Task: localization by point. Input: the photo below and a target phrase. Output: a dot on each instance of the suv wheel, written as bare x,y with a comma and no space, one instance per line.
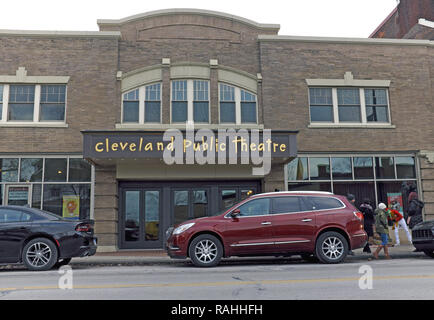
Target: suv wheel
205,251
429,253
39,254
331,247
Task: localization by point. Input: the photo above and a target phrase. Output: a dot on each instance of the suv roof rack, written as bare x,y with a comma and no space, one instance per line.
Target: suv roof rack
312,192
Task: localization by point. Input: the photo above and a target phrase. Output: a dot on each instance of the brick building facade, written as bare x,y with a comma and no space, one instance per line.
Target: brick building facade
361,111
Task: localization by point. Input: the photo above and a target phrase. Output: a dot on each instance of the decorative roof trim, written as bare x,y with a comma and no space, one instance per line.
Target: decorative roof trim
60,34
367,41
165,12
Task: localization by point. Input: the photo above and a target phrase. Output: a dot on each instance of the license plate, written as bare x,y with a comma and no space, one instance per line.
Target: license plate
94,241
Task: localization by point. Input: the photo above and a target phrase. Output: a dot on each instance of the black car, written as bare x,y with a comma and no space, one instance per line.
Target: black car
42,240
423,237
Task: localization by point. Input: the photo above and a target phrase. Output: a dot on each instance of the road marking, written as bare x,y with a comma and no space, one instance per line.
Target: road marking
212,284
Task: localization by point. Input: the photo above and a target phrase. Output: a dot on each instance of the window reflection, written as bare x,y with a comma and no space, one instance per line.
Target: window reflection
319,168
341,168
31,170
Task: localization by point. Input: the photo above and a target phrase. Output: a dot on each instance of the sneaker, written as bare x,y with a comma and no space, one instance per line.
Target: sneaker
396,245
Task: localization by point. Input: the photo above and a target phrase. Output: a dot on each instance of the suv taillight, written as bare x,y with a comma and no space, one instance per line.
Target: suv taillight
83,227
358,215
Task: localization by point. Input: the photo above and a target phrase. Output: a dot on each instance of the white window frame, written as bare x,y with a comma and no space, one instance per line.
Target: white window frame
364,121
4,121
190,100
142,96
237,96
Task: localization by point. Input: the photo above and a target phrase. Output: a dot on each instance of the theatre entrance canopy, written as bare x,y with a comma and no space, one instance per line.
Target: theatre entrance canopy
225,153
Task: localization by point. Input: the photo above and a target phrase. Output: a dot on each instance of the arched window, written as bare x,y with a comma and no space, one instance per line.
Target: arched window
237,105
142,105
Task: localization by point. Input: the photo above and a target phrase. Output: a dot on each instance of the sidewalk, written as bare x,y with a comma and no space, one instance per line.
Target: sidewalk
159,257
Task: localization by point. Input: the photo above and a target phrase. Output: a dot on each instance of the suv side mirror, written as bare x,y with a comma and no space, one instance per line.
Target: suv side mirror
235,213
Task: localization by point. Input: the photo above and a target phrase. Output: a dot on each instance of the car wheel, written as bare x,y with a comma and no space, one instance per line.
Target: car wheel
429,253
205,251
61,262
309,257
331,247
39,254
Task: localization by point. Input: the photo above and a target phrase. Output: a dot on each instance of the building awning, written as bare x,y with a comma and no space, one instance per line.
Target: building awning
200,146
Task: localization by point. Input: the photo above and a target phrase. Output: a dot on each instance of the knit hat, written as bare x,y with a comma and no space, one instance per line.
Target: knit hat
382,206
350,197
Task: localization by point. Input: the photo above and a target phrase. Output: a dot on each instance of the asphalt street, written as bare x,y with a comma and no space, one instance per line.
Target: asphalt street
283,278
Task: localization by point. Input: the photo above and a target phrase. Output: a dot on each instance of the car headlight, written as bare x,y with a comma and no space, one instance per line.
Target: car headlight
183,228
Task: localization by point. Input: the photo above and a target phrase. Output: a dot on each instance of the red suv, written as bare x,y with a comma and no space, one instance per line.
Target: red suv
310,224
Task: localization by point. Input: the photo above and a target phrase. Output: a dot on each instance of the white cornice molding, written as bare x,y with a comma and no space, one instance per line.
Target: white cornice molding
429,155
22,77
366,41
426,23
61,34
167,12
347,81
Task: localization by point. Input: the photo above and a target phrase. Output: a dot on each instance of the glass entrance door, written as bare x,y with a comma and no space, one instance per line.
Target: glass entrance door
189,203
18,195
234,194
140,218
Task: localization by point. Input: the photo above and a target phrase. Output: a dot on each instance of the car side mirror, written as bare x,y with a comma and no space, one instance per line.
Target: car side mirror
235,213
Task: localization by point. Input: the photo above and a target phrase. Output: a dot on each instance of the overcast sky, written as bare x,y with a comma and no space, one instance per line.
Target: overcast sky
339,18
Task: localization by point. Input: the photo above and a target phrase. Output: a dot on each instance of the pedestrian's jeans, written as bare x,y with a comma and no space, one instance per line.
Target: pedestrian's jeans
402,224
384,239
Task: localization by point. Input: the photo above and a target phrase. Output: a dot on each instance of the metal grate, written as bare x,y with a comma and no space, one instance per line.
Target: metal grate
417,234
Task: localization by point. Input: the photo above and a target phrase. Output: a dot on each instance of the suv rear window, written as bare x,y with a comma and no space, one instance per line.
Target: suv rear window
322,203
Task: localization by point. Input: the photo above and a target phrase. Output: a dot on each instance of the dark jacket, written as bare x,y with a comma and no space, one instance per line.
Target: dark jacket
415,212
369,219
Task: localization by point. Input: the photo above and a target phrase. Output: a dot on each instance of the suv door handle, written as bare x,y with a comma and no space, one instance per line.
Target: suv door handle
266,223
306,220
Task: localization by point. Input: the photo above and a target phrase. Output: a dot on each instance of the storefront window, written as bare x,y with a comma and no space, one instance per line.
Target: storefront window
360,190
36,196
9,170
384,168
31,170
297,169
79,170
57,196
363,168
55,170
341,168
405,168
314,186
393,179
319,168
42,192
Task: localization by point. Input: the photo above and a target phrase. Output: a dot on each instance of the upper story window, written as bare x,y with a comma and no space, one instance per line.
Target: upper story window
237,106
190,101
349,105
142,105
53,99
32,103
21,102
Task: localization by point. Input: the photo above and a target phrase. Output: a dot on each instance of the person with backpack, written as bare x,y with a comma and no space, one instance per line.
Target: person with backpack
414,210
368,221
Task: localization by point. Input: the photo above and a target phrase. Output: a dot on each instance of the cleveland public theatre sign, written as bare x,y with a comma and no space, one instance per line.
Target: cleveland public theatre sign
203,146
